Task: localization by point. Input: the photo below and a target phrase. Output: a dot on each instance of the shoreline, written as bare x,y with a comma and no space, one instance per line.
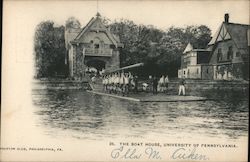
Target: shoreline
212,90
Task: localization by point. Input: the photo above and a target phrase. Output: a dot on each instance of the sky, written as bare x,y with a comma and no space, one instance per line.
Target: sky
21,17
159,13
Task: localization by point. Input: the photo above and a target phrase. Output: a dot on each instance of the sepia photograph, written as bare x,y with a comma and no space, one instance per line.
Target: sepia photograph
126,80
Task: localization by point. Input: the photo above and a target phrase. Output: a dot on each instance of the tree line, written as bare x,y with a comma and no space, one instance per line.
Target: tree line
160,50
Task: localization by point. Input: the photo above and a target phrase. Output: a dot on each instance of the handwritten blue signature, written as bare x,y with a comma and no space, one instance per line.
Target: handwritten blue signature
152,153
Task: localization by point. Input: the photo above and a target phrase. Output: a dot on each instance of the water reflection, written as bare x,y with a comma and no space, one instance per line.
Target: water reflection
87,115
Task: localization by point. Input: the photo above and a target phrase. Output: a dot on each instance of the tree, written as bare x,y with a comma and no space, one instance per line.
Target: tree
72,22
203,36
159,50
174,42
49,50
128,34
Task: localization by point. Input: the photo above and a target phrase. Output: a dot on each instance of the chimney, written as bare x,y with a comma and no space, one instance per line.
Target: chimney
226,18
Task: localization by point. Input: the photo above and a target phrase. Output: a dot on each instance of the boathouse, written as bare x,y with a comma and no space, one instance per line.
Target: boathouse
92,46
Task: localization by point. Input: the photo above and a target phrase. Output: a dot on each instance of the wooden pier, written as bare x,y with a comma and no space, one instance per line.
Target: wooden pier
145,97
115,96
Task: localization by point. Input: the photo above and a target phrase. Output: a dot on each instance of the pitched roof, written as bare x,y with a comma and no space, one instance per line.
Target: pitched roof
115,40
188,48
236,32
239,34
214,38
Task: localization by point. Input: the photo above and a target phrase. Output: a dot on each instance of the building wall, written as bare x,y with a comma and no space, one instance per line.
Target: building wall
182,73
197,72
227,69
192,58
189,58
77,61
224,74
207,72
71,54
194,72
95,44
191,72
224,46
115,60
91,36
184,61
203,57
190,69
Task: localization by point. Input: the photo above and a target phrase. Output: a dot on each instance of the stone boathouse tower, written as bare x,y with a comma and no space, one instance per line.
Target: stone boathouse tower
92,46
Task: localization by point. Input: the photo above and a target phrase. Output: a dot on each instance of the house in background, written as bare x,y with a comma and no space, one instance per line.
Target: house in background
226,56
194,64
230,51
92,46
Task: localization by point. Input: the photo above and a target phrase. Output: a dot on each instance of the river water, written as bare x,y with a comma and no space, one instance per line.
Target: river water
84,115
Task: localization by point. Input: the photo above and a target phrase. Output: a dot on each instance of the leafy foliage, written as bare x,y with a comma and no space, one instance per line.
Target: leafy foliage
159,50
49,50
72,22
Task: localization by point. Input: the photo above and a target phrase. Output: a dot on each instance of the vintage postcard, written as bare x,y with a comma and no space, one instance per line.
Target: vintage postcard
136,80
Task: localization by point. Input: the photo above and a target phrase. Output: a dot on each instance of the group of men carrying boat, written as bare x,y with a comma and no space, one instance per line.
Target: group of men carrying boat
123,82
120,83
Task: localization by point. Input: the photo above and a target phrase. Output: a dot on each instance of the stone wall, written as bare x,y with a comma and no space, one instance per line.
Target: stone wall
60,85
193,71
79,62
210,88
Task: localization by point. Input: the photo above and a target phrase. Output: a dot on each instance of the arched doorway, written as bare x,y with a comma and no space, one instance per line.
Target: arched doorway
96,63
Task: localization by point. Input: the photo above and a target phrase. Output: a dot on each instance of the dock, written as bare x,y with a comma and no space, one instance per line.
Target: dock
171,98
146,97
115,96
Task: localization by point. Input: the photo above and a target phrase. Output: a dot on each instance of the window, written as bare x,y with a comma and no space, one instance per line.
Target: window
219,55
197,71
184,72
207,71
238,54
230,53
